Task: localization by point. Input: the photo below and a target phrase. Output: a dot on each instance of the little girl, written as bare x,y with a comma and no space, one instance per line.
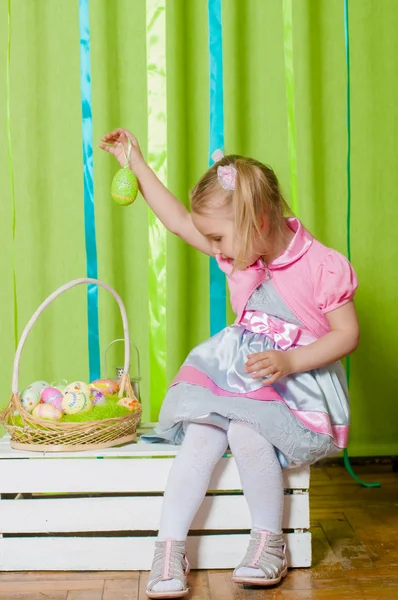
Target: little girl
271,386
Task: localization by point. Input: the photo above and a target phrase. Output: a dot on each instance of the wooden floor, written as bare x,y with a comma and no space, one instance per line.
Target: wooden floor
355,553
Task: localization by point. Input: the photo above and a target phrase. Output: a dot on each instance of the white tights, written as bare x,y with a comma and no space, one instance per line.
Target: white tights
202,448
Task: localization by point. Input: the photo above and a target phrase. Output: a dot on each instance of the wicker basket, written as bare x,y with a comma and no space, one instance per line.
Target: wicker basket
52,436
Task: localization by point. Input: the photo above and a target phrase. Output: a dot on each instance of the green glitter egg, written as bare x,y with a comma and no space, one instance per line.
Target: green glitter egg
124,187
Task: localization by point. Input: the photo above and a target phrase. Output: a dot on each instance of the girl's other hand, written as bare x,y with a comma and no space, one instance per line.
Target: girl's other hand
116,143
272,364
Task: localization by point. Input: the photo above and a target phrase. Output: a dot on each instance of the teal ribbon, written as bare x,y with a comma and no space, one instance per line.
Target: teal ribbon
89,212
348,166
218,303
11,175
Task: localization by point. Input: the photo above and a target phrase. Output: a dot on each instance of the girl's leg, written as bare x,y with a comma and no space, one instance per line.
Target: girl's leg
202,448
262,484
260,474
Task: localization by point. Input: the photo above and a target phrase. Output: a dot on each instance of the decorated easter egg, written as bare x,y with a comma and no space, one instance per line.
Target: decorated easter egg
88,406
38,386
75,402
29,399
78,386
98,398
47,411
49,394
131,403
57,402
124,187
52,396
106,386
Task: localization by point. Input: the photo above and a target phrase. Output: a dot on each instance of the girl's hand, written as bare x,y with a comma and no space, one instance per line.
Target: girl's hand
172,213
116,143
273,364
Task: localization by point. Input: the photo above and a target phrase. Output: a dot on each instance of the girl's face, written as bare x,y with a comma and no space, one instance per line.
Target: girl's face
217,225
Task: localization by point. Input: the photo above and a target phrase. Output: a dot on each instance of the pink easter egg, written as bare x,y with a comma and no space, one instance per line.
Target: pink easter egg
57,403
50,394
106,386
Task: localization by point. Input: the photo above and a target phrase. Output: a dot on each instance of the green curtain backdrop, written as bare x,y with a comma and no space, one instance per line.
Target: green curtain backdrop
46,136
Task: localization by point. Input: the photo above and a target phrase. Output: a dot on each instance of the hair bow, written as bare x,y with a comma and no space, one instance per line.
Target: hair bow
226,174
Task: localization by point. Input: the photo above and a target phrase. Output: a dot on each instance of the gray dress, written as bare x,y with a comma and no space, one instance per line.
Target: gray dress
300,414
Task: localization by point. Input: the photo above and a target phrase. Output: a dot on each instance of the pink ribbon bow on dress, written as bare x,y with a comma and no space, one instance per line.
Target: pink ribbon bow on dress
284,334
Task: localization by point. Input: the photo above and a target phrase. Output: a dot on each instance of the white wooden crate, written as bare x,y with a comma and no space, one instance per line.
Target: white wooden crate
100,510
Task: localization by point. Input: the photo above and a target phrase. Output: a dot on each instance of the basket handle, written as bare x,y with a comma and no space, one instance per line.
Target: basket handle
106,353
49,300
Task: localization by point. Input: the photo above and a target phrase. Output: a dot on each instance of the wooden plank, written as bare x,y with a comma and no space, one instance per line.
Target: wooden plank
142,586
222,587
137,449
315,594
298,579
325,565
120,589
319,513
379,594
375,525
383,577
198,585
347,547
60,584
49,595
85,595
140,513
132,553
72,576
118,475
6,451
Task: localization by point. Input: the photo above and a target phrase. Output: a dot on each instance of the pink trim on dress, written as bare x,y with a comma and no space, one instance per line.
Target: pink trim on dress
315,420
192,375
340,435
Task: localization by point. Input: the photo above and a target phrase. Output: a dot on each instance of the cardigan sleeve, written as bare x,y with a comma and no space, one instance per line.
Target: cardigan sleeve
336,282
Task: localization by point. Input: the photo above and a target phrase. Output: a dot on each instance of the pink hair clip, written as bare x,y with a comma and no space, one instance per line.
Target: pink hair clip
227,177
217,155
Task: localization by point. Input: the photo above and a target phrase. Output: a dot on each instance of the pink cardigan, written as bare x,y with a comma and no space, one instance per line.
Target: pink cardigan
311,279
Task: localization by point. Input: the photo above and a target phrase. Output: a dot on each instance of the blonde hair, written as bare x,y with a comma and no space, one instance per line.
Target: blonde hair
256,197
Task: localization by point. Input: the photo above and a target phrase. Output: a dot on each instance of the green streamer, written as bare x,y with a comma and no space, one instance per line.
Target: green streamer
290,100
348,118
157,160
11,174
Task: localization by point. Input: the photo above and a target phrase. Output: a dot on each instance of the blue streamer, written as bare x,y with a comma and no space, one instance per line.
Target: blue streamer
218,305
89,214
